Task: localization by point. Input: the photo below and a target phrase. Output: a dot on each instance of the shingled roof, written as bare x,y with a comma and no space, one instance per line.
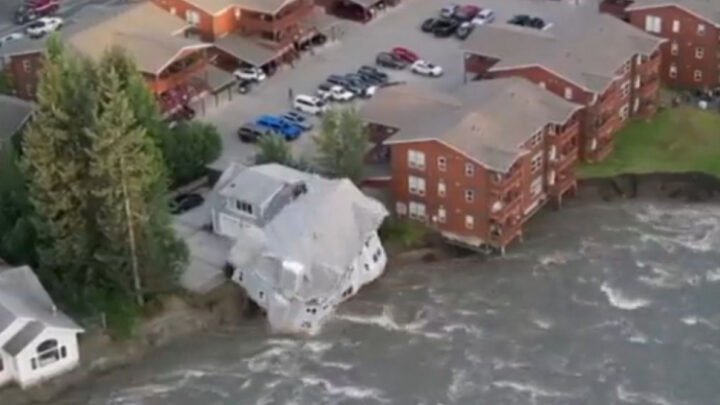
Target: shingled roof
707,9
587,51
486,120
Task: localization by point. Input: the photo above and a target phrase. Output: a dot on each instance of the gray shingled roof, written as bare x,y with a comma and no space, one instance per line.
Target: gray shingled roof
22,296
14,112
23,337
487,120
588,51
324,229
708,9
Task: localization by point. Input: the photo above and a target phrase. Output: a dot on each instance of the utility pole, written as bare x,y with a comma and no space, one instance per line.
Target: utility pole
131,238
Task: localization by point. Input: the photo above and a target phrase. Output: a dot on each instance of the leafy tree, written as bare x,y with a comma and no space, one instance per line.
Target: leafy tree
188,148
17,235
341,143
273,149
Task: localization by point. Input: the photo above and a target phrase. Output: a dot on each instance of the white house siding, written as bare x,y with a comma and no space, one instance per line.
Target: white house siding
8,364
23,361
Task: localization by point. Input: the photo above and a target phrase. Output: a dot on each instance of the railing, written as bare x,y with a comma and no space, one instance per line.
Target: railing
500,211
500,187
566,159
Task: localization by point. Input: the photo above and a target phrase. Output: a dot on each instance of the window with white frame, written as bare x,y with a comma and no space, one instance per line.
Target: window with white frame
417,210
441,214
469,222
624,112
701,30
536,139
674,48
416,159
401,208
26,65
543,85
243,206
653,24
192,17
672,71
442,163
469,195
676,26
469,169
625,89
638,82
441,190
416,185
699,52
536,186
536,162
697,75
636,105
568,93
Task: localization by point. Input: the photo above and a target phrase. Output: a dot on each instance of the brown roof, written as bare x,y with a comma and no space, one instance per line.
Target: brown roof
707,9
488,120
586,50
144,30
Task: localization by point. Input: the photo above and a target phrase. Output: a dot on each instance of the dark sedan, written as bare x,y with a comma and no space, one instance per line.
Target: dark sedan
389,60
185,202
445,27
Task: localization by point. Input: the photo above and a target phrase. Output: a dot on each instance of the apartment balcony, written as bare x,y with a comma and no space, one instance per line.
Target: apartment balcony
501,209
565,159
502,234
649,85
500,184
564,181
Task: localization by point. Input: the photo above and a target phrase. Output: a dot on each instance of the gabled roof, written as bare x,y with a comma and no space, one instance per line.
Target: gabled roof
486,120
218,6
323,229
14,112
706,9
23,297
23,337
586,50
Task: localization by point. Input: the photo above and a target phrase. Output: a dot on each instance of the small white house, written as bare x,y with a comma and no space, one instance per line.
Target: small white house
302,243
37,342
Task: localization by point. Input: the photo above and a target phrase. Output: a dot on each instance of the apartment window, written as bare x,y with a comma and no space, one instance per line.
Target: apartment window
416,159
442,163
441,215
625,89
624,112
676,26
536,162
674,49
192,17
417,210
697,75
238,13
536,139
551,178
543,85
638,82
469,195
701,30
699,52
653,24
673,71
469,169
469,222
416,185
242,206
401,208
568,93
536,186
26,65
441,188
636,105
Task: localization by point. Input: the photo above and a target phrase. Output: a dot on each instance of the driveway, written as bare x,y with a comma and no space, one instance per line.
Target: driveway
400,26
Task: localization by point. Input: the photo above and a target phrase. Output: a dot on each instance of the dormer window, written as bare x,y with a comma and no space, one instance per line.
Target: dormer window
242,206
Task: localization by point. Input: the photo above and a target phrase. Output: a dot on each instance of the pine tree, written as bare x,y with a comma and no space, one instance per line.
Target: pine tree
341,143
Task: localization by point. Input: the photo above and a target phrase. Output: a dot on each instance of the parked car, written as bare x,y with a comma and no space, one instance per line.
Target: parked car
464,30
337,80
10,37
373,73
288,130
43,26
31,10
425,68
298,119
466,13
524,20
250,73
368,87
244,86
185,202
251,132
445,28
428,25
485,16
405,54
448,10
309,104
520,19
337,93
389,60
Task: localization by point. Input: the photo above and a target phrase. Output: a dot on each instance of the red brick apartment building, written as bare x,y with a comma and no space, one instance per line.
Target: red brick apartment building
691,55
256,32
167,60
609,67
478,163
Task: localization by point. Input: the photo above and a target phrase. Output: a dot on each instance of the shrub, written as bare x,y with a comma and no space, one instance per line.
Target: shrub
188,148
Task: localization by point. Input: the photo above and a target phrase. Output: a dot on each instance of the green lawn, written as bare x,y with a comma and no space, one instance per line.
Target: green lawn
676,140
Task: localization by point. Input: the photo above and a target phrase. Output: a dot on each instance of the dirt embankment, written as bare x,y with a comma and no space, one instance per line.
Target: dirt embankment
221,309
687,187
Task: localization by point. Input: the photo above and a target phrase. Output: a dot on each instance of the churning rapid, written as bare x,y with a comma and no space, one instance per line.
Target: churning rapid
602,304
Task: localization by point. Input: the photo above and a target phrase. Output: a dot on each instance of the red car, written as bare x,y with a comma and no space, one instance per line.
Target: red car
467,13
405,54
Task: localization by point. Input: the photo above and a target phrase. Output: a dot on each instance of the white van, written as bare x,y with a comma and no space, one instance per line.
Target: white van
309,105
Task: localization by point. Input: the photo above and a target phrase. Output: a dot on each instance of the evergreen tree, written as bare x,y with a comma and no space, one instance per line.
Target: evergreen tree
341,143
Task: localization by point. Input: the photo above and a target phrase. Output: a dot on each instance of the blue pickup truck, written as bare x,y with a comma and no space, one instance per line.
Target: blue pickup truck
283,127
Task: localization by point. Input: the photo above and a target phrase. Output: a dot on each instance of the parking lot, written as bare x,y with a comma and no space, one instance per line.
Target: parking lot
400,26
